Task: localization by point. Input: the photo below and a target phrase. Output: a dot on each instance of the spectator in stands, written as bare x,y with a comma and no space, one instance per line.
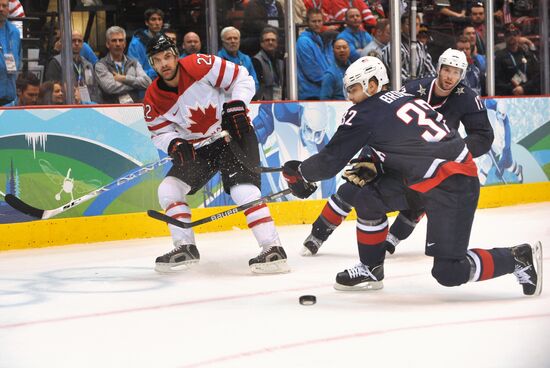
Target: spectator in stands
231,41
516,70
453,14
10,58
51,93
27,86
424,67
382,35
269,67
191,44
121,79
86,52
479,59
356,37
154,20
172,35
327,18
337,10
477,14
473,77
332,87
82,71
312,59
259,14
17,11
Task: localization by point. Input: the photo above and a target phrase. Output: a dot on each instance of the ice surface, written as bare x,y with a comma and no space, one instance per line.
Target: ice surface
102,305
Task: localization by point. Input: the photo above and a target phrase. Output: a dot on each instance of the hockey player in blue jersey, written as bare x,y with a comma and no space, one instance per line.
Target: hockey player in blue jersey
412,151
457,103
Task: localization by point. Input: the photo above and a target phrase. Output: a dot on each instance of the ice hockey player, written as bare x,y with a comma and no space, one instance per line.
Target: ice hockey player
457,103
185,105
412,148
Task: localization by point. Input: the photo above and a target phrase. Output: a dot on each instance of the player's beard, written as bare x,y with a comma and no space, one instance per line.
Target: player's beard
172,76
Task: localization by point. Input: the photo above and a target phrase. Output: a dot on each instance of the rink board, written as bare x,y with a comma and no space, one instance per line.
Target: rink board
46,233
49,156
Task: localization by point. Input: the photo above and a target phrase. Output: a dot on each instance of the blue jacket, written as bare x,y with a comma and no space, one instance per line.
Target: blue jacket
138,51
88,53
356,40
10,42
332,87
313,60
243,60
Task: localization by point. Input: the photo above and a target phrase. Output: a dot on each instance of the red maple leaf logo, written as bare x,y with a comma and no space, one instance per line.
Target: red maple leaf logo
201,120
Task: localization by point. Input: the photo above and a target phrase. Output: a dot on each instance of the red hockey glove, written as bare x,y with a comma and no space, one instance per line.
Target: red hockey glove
181,151
296,182
235,119
362,172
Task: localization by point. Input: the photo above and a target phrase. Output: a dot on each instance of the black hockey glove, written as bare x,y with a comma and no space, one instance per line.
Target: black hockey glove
296,182
362,172
235,119
181,151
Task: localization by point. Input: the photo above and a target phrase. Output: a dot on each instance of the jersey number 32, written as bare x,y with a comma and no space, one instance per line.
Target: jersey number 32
419,109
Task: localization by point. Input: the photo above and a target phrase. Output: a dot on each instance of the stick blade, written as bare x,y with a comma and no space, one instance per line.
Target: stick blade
23,207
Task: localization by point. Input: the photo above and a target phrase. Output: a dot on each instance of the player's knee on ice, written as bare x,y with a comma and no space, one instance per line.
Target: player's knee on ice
451,272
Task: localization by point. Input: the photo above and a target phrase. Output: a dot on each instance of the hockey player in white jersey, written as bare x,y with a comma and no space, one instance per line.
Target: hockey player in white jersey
187,104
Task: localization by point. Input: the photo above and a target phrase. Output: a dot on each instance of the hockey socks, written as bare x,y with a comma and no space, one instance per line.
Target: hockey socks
334,212
371,235
490,263
402,227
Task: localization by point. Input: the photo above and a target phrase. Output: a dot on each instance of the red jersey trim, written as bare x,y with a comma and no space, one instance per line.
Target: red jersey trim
221,75
159,126
235,73
450,168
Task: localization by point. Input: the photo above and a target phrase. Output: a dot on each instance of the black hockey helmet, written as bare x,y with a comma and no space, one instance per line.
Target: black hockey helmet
160,43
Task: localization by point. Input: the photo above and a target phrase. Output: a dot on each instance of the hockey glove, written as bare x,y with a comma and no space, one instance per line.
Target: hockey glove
235,119
362,172
296,182
181,151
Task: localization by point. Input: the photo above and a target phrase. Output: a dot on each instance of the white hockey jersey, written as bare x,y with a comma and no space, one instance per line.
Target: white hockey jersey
194,112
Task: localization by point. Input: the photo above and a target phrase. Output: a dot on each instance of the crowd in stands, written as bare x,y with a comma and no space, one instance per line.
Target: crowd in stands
331,35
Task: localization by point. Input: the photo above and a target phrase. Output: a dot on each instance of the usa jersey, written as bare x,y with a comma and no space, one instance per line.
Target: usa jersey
193,110
406,134
462,105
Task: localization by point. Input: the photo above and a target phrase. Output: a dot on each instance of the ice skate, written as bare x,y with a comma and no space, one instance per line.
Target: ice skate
270,260
528,267
360,278
180,258
311,246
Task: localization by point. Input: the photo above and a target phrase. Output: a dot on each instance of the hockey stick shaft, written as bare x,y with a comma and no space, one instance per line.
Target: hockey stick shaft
264,169
21,206
186,225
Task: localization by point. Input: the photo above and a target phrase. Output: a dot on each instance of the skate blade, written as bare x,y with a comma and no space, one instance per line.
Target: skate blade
279,266
365,286
306,252
537,261
175,267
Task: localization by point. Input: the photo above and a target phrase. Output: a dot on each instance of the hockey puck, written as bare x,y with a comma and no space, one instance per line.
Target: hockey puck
308,299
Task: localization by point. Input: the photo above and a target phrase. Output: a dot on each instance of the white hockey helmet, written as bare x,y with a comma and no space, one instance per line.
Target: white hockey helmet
454,58
362,70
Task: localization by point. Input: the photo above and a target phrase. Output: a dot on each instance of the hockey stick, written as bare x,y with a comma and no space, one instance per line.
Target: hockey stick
38,213
264,169
500,174
186,225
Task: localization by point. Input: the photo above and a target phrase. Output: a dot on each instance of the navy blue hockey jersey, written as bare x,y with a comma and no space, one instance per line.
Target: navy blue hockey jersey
462,105
407,135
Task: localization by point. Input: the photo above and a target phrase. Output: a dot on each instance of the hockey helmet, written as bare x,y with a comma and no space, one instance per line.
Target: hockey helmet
362,70
160,43
455,58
